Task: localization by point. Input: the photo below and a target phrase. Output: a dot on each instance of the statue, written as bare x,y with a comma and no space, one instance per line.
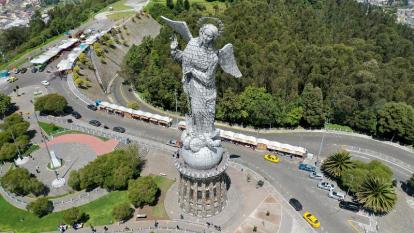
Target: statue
201,141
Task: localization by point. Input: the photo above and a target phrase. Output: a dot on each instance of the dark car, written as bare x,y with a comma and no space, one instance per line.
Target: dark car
24,70
352,206
118,129
70,121
34,70
296,204
92,107
76,115
41,69
95,123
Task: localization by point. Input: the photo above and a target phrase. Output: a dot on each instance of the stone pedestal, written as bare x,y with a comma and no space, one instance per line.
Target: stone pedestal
203,193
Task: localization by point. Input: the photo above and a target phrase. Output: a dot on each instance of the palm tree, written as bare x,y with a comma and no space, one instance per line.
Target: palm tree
337,163
377,195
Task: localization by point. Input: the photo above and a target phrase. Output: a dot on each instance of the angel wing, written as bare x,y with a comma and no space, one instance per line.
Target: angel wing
228,62
179,27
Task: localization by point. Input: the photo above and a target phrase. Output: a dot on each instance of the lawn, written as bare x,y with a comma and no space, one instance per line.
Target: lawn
120,15
339,127
50,129
117,6
17,220
163,183
32,148
99,211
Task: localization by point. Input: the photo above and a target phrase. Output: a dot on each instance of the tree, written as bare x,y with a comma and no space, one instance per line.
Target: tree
179,6
5,103
377,195
8,152
97,47
170,4
73,215
51,103
76,69
312,103
396,120
40,207
82,58
186,5
259,106
337,163
74,180
122,212
21,182
133,105
142,191
111,171
410,182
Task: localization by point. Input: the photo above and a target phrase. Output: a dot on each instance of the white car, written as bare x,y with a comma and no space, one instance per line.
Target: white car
45,83
336,195
325,185
316,175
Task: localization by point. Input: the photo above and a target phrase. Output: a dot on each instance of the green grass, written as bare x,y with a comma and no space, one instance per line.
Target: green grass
17,220
50,129
339,127
163,184
99,211
120,15
117,6
31,149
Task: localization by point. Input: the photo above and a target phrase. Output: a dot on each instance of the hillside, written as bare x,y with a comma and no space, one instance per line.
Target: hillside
303,62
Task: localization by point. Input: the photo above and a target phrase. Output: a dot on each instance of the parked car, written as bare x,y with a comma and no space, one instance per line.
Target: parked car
95,123
311,219
271,158
119,129
326,186
92,107
106,127
316,175
41,69
336,195
23,70
173,143
34,70
76,115
307,167
45,83
352,206
17,71
295,203
70,121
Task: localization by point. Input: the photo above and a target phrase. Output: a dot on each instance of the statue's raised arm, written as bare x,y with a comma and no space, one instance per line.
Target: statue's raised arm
228,62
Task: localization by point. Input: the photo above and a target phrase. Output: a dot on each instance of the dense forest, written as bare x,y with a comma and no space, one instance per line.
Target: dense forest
16,40
303,63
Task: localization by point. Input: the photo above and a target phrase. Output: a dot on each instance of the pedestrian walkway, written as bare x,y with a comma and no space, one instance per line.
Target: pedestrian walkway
98,145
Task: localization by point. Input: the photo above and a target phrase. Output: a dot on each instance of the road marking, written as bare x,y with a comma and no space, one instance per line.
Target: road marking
354,227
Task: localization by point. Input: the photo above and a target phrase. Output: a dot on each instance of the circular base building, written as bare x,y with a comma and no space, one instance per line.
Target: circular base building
203,193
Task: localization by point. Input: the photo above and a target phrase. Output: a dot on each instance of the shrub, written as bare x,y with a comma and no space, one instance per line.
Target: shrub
40,207
21,182
73,216
133,105
111,171
122,212
142,191
74,180
51,103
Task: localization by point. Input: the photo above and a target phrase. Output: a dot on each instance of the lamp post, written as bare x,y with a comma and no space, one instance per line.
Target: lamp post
321,145
176,106
58,182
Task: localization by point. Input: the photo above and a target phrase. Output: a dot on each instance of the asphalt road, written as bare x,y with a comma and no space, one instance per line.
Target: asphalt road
284,176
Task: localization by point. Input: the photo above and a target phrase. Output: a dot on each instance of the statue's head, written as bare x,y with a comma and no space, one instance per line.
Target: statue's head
208,33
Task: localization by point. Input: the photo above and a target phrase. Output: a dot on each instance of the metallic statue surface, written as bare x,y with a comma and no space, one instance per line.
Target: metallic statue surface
199,60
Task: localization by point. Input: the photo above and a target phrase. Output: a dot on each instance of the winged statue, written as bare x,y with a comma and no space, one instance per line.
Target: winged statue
199,62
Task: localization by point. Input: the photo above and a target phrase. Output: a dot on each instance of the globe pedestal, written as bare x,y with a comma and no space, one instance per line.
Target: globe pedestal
203,193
